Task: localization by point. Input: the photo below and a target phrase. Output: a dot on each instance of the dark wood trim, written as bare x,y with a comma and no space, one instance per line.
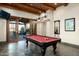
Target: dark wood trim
69,44
14,18
17,29
9,40
74,24
65,4
7,30
59,25
35,28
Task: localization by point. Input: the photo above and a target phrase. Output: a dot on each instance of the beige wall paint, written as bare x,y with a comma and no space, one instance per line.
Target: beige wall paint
62,13
2,29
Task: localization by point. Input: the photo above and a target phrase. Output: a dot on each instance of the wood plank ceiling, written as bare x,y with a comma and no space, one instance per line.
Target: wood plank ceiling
35,8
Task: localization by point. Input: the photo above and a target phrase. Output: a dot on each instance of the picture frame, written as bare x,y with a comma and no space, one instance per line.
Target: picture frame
57,27
70,24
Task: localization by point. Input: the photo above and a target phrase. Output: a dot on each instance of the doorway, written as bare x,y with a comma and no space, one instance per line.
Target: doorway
13,35
17,27
21,30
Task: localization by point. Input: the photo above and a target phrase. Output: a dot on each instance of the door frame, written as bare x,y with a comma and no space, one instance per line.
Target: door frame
8,32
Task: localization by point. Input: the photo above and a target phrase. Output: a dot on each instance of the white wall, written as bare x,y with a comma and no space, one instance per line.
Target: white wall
13,13
39,28
2,29
49,27
19,13
42,29
62,13
48,31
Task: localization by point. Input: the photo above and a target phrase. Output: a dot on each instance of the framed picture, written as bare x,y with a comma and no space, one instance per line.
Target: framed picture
57,27
70,24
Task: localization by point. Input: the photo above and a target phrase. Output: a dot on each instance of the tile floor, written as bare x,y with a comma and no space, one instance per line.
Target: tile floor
20,49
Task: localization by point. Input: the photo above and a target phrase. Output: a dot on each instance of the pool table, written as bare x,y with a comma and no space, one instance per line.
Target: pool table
43,42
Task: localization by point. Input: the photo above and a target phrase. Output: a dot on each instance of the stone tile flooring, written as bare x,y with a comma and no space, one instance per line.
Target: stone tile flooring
20,49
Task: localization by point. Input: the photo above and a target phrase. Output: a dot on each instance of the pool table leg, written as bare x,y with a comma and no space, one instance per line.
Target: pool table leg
27,43
43,51
54,47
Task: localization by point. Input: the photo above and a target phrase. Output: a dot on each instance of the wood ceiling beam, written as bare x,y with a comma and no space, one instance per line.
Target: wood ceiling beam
43,4
61,4
27,8
52,5
65,4
33,6
55,6
21,19
40,6
18,7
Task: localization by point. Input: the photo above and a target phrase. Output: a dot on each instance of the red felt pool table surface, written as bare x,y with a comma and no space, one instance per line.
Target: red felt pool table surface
40,38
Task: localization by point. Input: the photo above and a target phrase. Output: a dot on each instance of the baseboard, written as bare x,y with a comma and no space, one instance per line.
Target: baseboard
69,44
3,42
